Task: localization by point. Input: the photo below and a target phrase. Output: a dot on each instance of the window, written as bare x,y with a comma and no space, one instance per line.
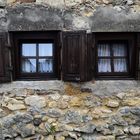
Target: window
112,57
37,57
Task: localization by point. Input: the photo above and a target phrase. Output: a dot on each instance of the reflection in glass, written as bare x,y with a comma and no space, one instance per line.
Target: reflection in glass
104,65
28,49
120,65
45,49
45,65
119,50
29,65
103,50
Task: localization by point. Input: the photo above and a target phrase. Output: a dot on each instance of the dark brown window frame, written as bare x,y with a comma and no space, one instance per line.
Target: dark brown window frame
36,37
117,37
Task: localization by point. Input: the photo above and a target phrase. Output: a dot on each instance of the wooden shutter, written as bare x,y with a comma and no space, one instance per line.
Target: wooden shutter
4,59
74,51
138,57
90,56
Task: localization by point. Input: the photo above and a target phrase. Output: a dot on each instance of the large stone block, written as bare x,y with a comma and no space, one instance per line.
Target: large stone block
56,3
73,2
2,3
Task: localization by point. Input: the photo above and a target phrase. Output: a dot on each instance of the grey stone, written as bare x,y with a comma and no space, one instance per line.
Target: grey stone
130,2
23,117
86,118
135,111
72,116
26,130
57,3
88,128
37,101
18,92
118,120
135,130
125,110
54,113
2,3
105,129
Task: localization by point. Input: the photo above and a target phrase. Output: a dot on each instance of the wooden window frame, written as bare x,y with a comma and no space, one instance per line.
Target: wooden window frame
35,37
129,38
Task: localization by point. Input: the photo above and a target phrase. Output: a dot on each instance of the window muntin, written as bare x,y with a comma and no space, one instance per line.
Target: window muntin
37,58
112,57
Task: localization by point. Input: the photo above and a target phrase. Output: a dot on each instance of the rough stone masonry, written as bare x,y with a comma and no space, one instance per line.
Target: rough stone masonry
53,110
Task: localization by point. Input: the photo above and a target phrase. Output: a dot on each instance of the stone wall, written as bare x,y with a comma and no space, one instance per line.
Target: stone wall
90,15
65,111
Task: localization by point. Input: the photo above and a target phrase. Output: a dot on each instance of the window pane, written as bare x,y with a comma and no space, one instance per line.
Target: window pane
103,50
28,49
46,65
104,65
120,65
46,49
119,50
29,65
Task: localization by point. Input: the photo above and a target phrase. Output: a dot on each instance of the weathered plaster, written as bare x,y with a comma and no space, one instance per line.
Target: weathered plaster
27,17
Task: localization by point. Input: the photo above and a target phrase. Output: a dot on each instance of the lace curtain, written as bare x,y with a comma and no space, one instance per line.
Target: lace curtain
120,65
104,64
45,65
29,65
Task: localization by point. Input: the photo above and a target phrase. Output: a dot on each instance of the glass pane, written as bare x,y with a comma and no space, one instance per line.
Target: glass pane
103,50
46,65
120,65
29,65
46,49
28,49
119,50
104,65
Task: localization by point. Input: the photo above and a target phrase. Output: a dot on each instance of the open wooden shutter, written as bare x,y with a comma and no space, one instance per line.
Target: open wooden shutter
90,56
4,59
74,51
138,57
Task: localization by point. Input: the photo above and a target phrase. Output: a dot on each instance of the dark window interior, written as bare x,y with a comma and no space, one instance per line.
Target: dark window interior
36,55
113,57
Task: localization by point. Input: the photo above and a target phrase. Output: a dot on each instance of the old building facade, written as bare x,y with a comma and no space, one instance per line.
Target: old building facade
76,40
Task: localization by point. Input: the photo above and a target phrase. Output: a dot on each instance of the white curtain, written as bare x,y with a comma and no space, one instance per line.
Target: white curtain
103,50
104,65
28,49
29,65
120,65
119,50
45,49
45,65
